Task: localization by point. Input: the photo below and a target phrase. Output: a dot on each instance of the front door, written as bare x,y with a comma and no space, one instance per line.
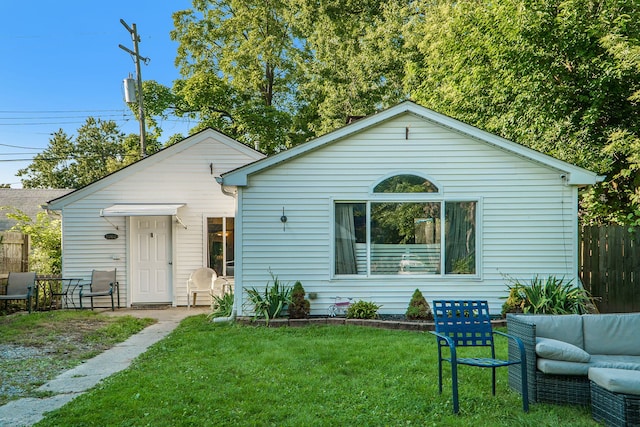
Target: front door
151,259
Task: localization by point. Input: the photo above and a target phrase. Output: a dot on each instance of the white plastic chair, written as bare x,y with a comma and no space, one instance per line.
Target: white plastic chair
221,286
200,281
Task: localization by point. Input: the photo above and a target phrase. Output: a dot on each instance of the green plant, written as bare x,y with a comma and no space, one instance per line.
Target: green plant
464,265
419,308
548,296
300,308
363,310
221,306
272,302
45,234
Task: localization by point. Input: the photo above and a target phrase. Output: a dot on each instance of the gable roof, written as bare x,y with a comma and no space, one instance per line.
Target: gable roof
574,175
152,159
27,200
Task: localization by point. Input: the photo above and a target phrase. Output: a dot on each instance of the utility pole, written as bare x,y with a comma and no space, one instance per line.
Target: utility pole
136,55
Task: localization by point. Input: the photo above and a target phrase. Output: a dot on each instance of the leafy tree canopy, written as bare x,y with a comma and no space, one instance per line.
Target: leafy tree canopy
558,76
98,149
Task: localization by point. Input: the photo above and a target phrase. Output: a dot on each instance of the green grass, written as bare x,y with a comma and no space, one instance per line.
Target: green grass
208,374
52,342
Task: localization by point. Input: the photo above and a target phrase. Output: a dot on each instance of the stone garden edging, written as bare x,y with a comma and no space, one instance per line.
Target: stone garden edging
373,323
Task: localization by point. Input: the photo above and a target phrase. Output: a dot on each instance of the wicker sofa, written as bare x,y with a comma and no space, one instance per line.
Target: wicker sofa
561,348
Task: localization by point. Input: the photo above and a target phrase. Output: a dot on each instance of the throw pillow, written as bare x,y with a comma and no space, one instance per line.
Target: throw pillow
559,350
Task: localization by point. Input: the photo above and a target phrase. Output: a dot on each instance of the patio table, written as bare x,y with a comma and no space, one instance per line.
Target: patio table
57,292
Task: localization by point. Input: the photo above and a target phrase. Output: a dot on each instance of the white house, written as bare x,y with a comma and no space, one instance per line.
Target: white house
156,221
404,199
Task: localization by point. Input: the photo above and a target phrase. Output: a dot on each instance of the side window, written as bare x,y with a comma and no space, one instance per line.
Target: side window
220,237
460,238
350,238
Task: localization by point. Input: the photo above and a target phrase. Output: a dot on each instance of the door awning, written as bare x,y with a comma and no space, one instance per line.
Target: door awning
143,209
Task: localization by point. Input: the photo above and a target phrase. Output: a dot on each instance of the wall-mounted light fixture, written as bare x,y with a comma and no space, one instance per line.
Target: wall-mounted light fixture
283,220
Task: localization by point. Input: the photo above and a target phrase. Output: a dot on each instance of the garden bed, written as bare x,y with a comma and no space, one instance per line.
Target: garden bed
407,325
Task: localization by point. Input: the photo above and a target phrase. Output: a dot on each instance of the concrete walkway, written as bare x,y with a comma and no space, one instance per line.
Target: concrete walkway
70,384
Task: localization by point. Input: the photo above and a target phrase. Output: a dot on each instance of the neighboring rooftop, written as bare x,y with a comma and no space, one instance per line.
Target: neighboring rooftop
27,200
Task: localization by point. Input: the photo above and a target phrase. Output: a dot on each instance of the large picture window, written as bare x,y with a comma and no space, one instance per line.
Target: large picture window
405,237
220,245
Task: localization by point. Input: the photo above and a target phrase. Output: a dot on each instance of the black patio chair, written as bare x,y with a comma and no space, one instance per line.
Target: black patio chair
102,284
468,324
20,286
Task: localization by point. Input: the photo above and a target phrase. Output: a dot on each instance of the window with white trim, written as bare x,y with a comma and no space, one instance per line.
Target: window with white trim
405,229
220,245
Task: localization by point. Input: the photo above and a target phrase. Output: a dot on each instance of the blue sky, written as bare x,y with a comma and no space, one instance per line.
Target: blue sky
61,63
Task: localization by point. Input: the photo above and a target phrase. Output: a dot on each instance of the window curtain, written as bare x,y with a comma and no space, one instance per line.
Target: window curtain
345,240
460,238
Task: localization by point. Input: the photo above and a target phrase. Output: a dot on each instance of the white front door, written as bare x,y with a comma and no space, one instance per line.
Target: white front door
151,259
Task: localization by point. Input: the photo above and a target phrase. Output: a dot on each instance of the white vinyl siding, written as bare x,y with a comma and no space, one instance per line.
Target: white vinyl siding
182,175
526,216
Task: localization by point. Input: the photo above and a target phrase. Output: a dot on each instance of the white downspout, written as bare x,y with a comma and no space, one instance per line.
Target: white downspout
233,194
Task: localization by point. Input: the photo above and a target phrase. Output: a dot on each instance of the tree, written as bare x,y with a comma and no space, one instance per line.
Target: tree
542,73
98,149
46,240
236,59
353,60
274,74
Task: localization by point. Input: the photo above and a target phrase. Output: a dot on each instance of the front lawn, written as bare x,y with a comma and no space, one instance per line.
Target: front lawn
207,374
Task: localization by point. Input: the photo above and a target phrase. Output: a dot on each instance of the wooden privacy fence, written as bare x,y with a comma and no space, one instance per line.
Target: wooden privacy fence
610,267
14,252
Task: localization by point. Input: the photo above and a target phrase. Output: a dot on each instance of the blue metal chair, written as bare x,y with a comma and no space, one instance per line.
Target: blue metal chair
468,324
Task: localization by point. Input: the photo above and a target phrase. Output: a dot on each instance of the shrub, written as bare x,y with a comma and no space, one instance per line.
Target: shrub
363,310
221,306
300,307
272,302
419,308
550,296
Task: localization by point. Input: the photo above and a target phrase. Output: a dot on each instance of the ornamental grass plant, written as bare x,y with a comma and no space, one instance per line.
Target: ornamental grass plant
206,374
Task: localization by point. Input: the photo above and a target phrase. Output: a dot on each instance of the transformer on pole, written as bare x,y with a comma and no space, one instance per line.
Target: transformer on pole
137,93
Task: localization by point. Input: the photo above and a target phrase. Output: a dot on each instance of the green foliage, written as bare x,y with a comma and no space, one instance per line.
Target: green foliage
221,306
236,58
419,308
550,296
300,308
98,149
46,240
559,77
363,310
272,302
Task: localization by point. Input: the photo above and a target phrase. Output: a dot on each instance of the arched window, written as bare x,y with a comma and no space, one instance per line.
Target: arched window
405,184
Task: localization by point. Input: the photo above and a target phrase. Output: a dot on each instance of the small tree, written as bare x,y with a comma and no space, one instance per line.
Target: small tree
300,308
46,240
419,308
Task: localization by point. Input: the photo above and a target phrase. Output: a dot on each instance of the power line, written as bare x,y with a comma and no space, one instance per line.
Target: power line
63,117
21,146
51,123
58,111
